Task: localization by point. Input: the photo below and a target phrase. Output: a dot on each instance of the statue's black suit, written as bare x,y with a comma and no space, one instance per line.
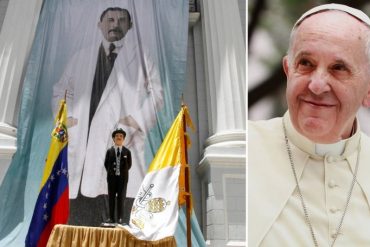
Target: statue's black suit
117,184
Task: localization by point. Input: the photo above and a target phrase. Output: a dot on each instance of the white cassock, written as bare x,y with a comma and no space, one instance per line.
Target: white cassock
130,91
324,172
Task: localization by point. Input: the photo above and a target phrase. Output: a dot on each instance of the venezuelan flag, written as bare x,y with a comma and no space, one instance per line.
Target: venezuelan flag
52,205
154,214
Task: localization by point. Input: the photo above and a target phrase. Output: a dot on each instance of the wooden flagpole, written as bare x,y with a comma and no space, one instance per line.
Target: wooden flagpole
187,183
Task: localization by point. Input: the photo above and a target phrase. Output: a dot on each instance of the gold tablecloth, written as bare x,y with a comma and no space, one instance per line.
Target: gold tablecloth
81,236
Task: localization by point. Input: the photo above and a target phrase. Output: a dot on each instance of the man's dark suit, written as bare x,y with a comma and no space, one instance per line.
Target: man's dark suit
117,184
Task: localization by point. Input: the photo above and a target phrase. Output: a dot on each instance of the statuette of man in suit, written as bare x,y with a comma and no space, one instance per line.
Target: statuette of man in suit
117,164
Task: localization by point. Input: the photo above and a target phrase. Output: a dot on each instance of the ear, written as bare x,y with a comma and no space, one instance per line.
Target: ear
99,25
286,65
366,100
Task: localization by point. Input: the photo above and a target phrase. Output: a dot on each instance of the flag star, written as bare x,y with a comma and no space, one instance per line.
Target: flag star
46,195
58,172
49,185
46,217
52,177
64,171
45,205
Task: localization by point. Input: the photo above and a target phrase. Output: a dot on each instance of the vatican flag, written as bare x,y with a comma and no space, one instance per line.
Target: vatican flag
154,214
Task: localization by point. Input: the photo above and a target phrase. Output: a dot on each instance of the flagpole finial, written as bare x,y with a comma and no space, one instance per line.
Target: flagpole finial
182,100
65,95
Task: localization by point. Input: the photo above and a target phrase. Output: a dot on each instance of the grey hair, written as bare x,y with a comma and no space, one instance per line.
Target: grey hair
294,32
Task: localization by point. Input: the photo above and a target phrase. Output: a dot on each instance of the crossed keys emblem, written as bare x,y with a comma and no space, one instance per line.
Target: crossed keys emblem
144,196
145,207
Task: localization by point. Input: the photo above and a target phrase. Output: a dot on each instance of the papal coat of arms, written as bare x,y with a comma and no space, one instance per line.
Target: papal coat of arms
145,206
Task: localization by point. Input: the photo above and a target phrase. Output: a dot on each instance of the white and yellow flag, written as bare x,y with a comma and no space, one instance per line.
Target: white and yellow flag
154,214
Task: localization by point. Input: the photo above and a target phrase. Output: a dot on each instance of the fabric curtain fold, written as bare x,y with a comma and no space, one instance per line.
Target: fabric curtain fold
64,235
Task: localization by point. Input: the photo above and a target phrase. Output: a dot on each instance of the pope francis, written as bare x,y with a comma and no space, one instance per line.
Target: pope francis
309,170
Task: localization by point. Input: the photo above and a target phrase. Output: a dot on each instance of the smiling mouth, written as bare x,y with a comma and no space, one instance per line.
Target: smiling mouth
318,104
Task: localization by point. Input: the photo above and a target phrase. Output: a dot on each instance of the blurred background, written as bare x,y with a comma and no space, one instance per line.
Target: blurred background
269,26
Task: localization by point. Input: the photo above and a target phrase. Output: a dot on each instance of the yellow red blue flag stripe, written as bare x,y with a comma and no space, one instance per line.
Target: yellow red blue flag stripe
52,205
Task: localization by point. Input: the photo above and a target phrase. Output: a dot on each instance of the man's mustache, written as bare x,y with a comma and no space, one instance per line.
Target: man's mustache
116,30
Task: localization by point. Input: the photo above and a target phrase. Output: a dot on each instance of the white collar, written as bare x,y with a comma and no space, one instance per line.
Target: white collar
118,44
332,148
342,148
120,147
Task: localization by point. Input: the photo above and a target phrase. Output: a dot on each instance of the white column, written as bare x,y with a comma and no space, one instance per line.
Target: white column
224,163
16,38
225,65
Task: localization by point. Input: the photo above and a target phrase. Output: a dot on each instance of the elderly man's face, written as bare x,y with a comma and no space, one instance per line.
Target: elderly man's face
119,139
328,76
114,25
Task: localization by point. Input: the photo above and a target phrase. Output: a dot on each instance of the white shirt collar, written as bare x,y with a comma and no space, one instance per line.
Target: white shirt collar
118,45
120,147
